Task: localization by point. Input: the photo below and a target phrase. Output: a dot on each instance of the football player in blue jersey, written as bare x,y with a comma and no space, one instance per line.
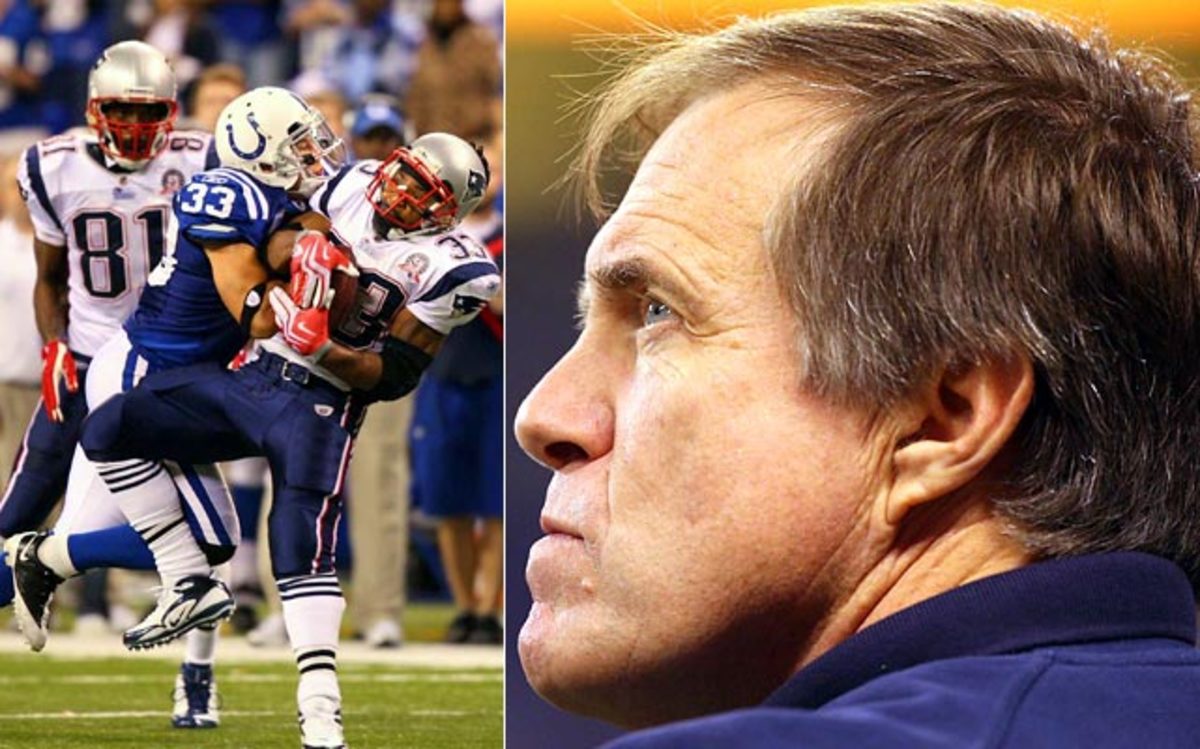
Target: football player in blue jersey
301,402
202,302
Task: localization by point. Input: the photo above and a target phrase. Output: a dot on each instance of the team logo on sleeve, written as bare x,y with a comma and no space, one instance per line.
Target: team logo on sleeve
172,181
465,305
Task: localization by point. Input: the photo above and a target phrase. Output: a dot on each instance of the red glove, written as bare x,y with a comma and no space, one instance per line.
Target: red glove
314,259
58,367
305,330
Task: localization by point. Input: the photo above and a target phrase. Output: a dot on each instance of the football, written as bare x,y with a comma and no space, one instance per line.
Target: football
345,291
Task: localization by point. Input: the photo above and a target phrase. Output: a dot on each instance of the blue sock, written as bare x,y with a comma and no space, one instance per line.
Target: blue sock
6,583
119,546
247,501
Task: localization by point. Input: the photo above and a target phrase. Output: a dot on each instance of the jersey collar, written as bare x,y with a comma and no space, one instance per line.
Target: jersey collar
1117,596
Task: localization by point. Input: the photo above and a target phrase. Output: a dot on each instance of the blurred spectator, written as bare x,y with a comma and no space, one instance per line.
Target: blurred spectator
377,130
315,24
181,31
332,106
457,75
76,33
20,344
378,513
24,59
489,13
251,37
458,421
212,90
374,52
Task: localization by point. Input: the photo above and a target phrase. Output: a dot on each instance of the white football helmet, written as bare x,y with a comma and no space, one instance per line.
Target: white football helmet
428,186
276,136
131,102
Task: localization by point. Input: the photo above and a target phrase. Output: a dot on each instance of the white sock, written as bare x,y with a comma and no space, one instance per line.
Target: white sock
319,683
54,554
312,611
201,646
147,497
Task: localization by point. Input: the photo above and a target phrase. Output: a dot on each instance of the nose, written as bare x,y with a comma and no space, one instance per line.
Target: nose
568,417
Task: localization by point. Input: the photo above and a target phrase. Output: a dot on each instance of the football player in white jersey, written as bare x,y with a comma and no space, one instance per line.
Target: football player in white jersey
300,403
101,209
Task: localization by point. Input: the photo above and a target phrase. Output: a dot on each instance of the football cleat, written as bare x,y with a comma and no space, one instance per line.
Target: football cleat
321,723
195,698
194,601
33,587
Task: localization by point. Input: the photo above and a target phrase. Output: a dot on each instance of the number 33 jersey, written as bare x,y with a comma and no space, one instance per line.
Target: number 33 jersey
443,279
112,222
181,319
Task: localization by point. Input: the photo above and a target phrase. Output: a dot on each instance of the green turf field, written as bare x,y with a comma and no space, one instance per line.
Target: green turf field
48,703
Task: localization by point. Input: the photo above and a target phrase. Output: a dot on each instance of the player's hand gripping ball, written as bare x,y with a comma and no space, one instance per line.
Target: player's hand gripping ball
314,262
306,330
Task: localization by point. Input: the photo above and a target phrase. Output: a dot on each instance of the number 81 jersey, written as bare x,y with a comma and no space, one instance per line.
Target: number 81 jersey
112,222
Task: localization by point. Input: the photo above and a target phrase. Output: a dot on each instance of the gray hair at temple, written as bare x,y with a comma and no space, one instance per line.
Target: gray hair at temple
996,185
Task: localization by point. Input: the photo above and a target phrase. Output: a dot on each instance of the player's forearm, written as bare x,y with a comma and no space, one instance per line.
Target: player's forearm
263,325
360,370
363,370
243,282
50,308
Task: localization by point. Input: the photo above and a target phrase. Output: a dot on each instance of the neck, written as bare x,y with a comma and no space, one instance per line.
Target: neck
937,548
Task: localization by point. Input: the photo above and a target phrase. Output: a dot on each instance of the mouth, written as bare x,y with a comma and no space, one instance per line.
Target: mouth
553,526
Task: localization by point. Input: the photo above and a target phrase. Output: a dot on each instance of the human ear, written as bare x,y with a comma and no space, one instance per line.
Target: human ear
955,425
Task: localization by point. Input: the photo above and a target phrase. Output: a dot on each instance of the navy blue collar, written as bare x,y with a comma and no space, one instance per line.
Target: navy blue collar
1124,595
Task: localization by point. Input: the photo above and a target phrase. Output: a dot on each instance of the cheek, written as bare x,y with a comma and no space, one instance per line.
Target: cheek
722,474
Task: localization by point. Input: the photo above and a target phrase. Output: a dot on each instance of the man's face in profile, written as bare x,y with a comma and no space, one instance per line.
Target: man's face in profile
705,511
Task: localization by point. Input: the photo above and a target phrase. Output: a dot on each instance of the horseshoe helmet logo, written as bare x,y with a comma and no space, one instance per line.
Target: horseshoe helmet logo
258,148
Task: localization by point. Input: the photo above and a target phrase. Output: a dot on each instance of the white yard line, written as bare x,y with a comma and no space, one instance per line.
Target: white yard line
233,677
124,714
237,650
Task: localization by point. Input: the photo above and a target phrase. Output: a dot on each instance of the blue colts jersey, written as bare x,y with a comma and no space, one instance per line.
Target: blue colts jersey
181,319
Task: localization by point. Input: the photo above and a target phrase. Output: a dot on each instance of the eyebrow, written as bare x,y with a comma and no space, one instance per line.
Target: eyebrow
619,275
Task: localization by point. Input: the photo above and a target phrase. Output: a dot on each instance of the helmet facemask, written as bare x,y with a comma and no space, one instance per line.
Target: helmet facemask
409,198
132,131
312,153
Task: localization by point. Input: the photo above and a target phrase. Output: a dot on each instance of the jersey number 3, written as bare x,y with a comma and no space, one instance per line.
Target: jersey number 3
198,200
101,237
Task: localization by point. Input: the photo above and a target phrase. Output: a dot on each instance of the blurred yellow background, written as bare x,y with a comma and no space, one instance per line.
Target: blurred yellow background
544,64
555,19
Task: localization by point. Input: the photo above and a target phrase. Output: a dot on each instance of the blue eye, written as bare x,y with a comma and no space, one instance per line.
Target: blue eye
656,312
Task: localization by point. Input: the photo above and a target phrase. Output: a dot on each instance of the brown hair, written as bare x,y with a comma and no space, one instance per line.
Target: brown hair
997,184
222,72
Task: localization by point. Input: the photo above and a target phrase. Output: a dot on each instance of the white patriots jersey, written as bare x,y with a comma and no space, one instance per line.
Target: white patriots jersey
443,279
112,223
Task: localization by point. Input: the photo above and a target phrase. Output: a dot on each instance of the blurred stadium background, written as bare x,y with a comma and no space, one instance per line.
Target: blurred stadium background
382,72
544,66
